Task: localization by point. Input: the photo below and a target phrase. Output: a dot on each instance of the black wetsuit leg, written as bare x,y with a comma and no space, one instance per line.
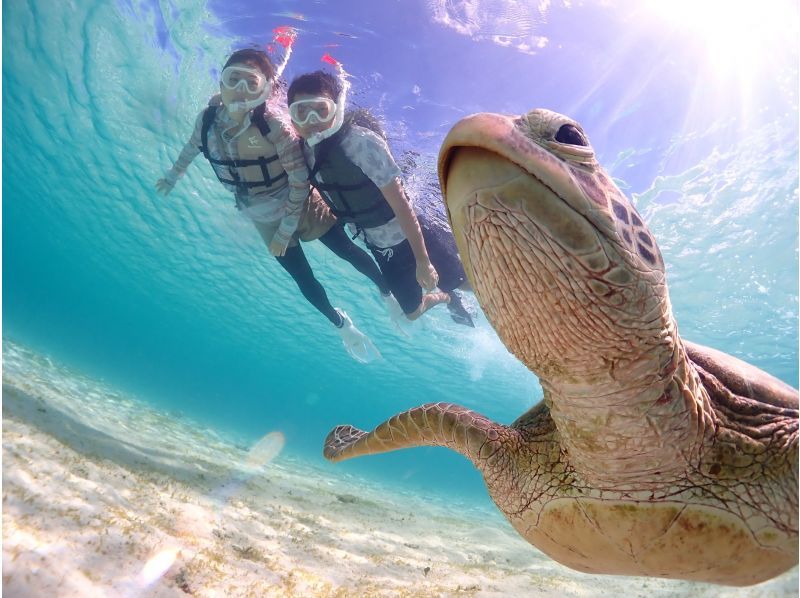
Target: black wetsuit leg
400,271
339,243
296,264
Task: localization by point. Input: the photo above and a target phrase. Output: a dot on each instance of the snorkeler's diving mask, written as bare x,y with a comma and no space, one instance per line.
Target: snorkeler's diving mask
312,111
338,113
243,79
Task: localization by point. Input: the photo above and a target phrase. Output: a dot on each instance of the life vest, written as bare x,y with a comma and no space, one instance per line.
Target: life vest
242,187
350,194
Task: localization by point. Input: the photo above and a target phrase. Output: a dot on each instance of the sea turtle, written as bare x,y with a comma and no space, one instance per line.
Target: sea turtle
649,455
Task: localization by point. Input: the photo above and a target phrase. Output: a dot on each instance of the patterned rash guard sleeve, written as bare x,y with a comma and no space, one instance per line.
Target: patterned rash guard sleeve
291,158
188,153
370,152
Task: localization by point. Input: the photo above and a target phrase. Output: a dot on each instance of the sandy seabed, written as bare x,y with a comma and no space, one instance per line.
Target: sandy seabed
104,496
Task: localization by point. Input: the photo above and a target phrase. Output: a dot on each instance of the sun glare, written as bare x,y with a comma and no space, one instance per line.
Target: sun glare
738,58
736,35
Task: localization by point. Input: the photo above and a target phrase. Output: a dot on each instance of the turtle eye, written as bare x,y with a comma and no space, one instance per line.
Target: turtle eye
570,134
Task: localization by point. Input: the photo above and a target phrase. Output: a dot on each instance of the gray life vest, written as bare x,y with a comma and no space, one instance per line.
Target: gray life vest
350,194
232,166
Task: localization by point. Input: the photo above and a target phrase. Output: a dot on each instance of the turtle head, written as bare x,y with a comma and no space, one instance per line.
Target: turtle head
562,264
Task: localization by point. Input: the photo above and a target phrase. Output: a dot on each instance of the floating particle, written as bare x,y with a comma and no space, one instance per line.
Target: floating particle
158,565
266,449
292,15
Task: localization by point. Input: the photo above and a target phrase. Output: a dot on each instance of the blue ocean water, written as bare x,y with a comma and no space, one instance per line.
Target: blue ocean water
176,300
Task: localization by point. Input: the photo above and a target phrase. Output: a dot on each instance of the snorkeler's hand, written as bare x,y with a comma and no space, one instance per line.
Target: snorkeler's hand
277,247
427,276
163,186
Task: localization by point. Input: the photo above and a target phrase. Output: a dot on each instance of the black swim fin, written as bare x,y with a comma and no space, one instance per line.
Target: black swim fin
458,312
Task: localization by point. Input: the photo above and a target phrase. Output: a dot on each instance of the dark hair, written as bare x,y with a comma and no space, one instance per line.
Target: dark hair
316,83
255,57
364,118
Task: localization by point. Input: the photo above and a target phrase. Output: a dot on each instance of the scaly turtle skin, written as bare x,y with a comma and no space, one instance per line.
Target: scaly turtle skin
649,455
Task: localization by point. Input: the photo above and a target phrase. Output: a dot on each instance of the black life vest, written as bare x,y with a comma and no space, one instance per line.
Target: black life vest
242,187
350,194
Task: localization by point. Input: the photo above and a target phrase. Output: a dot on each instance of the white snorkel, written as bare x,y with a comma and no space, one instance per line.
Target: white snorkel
338,118
285,37
247,106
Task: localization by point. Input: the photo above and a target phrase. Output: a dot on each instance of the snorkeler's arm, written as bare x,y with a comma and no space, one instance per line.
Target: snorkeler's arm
427,276
372,155
291,158
188,153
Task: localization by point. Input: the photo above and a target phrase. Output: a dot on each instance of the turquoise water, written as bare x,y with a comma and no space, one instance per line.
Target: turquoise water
176,301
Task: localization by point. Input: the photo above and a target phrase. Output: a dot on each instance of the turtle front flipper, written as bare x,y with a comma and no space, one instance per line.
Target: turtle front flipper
340,442
435,424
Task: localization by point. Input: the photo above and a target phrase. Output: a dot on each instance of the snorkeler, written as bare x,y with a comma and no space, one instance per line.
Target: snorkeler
257,157
353,168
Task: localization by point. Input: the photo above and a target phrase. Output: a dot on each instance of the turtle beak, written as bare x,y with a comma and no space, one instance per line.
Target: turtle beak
456,210
475,180
473,157
472,137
